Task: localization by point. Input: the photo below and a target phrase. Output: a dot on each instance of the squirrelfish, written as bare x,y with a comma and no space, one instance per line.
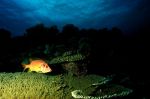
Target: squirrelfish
38,65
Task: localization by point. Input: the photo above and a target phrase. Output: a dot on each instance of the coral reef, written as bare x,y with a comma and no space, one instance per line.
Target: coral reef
110,93
24,85
95,87
29,85
76,68
67,58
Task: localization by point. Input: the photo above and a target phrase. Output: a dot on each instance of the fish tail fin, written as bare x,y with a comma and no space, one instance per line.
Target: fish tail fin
24,66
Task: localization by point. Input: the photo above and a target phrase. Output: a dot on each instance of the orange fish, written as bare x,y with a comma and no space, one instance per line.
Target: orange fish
38,65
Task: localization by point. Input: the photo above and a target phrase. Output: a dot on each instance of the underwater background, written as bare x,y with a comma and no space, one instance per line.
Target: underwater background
85,63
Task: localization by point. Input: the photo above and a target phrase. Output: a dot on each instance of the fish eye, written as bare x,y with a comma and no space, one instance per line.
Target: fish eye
45,65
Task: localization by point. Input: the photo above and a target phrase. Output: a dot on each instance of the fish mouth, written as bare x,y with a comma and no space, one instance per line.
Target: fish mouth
48,71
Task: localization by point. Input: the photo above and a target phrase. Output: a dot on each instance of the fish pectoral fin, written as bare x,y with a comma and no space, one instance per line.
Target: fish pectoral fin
26,70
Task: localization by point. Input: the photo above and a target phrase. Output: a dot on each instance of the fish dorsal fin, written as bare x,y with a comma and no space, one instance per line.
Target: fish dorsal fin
30,60
26,62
